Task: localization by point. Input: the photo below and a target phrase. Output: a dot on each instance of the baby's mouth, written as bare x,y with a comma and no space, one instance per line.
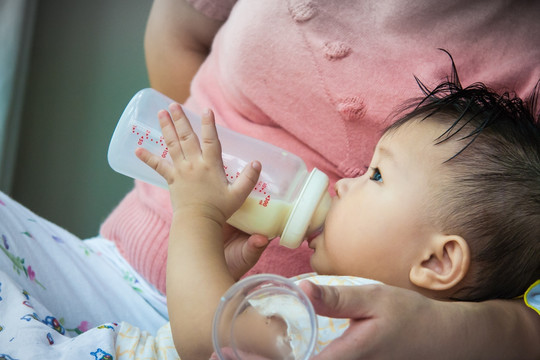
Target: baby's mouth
314,234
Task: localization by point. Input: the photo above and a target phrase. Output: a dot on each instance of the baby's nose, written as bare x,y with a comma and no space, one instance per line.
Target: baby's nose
342,186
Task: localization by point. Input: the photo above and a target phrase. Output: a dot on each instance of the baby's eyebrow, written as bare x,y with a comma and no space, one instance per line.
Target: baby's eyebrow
389,156
386,153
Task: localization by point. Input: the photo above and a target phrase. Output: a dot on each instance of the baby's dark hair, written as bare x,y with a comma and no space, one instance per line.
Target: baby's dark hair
492,198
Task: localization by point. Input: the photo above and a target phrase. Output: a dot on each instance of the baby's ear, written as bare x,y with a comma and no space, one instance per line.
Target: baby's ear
443,264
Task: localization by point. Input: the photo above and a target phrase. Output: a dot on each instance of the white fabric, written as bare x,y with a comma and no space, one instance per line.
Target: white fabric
75,283
29,331
134,344
147,291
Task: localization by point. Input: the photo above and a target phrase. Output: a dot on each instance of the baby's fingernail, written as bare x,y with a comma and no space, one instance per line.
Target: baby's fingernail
162,113
175,108
256,165
317,292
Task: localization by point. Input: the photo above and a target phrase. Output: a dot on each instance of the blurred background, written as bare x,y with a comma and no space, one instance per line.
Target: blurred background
67,70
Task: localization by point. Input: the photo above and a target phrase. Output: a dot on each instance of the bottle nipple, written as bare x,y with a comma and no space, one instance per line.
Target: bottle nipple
308,211
317,220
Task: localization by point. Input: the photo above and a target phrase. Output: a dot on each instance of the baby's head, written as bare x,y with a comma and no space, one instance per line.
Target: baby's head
450,205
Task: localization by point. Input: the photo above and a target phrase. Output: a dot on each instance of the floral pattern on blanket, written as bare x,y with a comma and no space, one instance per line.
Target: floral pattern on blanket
25,326
18,262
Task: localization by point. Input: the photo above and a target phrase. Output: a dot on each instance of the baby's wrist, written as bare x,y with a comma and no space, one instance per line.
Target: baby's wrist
199,215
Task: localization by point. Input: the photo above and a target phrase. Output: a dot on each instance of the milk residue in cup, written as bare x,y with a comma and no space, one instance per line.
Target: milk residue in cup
294,313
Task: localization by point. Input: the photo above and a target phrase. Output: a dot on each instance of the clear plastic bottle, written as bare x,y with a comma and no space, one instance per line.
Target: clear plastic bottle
264,316
288,201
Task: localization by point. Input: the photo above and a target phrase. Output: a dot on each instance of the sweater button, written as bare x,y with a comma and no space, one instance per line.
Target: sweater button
302,10
335,50
351,108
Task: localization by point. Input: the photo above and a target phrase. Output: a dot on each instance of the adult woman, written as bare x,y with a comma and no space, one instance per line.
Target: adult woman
318,78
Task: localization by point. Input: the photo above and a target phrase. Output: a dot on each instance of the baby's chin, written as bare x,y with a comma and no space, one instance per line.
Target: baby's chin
318,267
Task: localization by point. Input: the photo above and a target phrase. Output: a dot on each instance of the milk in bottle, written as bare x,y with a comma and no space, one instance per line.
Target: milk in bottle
288,201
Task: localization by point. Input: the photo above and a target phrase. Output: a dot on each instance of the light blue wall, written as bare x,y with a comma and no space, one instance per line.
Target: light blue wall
86,62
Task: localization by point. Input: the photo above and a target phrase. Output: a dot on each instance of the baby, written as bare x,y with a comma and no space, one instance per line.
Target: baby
449,207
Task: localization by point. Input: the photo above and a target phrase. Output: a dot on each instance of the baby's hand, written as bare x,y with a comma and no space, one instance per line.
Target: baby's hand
196,178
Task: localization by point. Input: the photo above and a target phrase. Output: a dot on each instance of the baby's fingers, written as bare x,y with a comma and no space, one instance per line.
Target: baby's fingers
189,142
210,144
247,179
169,134
160,165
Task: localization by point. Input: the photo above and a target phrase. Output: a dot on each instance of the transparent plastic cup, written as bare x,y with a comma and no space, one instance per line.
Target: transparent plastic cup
288,201
264,317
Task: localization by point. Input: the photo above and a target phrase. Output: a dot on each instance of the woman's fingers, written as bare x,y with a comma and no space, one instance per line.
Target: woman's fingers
340,302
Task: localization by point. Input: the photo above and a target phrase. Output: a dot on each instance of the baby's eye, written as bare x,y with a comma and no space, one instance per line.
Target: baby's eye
375,175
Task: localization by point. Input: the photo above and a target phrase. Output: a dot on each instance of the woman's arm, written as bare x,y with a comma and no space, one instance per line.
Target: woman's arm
394,323
177,40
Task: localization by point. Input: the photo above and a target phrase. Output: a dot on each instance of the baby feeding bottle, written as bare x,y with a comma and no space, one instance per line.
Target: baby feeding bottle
264,316
288,201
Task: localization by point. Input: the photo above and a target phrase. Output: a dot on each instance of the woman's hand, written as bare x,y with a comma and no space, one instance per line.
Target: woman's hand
381,318
394,323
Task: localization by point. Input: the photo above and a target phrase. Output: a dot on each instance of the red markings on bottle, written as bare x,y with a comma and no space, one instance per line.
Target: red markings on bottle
144,135
233,176
261,187
265,201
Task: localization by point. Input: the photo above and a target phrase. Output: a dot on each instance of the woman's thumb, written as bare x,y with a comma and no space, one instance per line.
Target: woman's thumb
336,301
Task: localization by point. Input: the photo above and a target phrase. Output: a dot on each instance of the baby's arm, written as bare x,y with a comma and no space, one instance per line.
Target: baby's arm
202,199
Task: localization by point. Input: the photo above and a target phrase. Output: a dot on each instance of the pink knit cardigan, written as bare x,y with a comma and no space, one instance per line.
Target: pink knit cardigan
319,79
